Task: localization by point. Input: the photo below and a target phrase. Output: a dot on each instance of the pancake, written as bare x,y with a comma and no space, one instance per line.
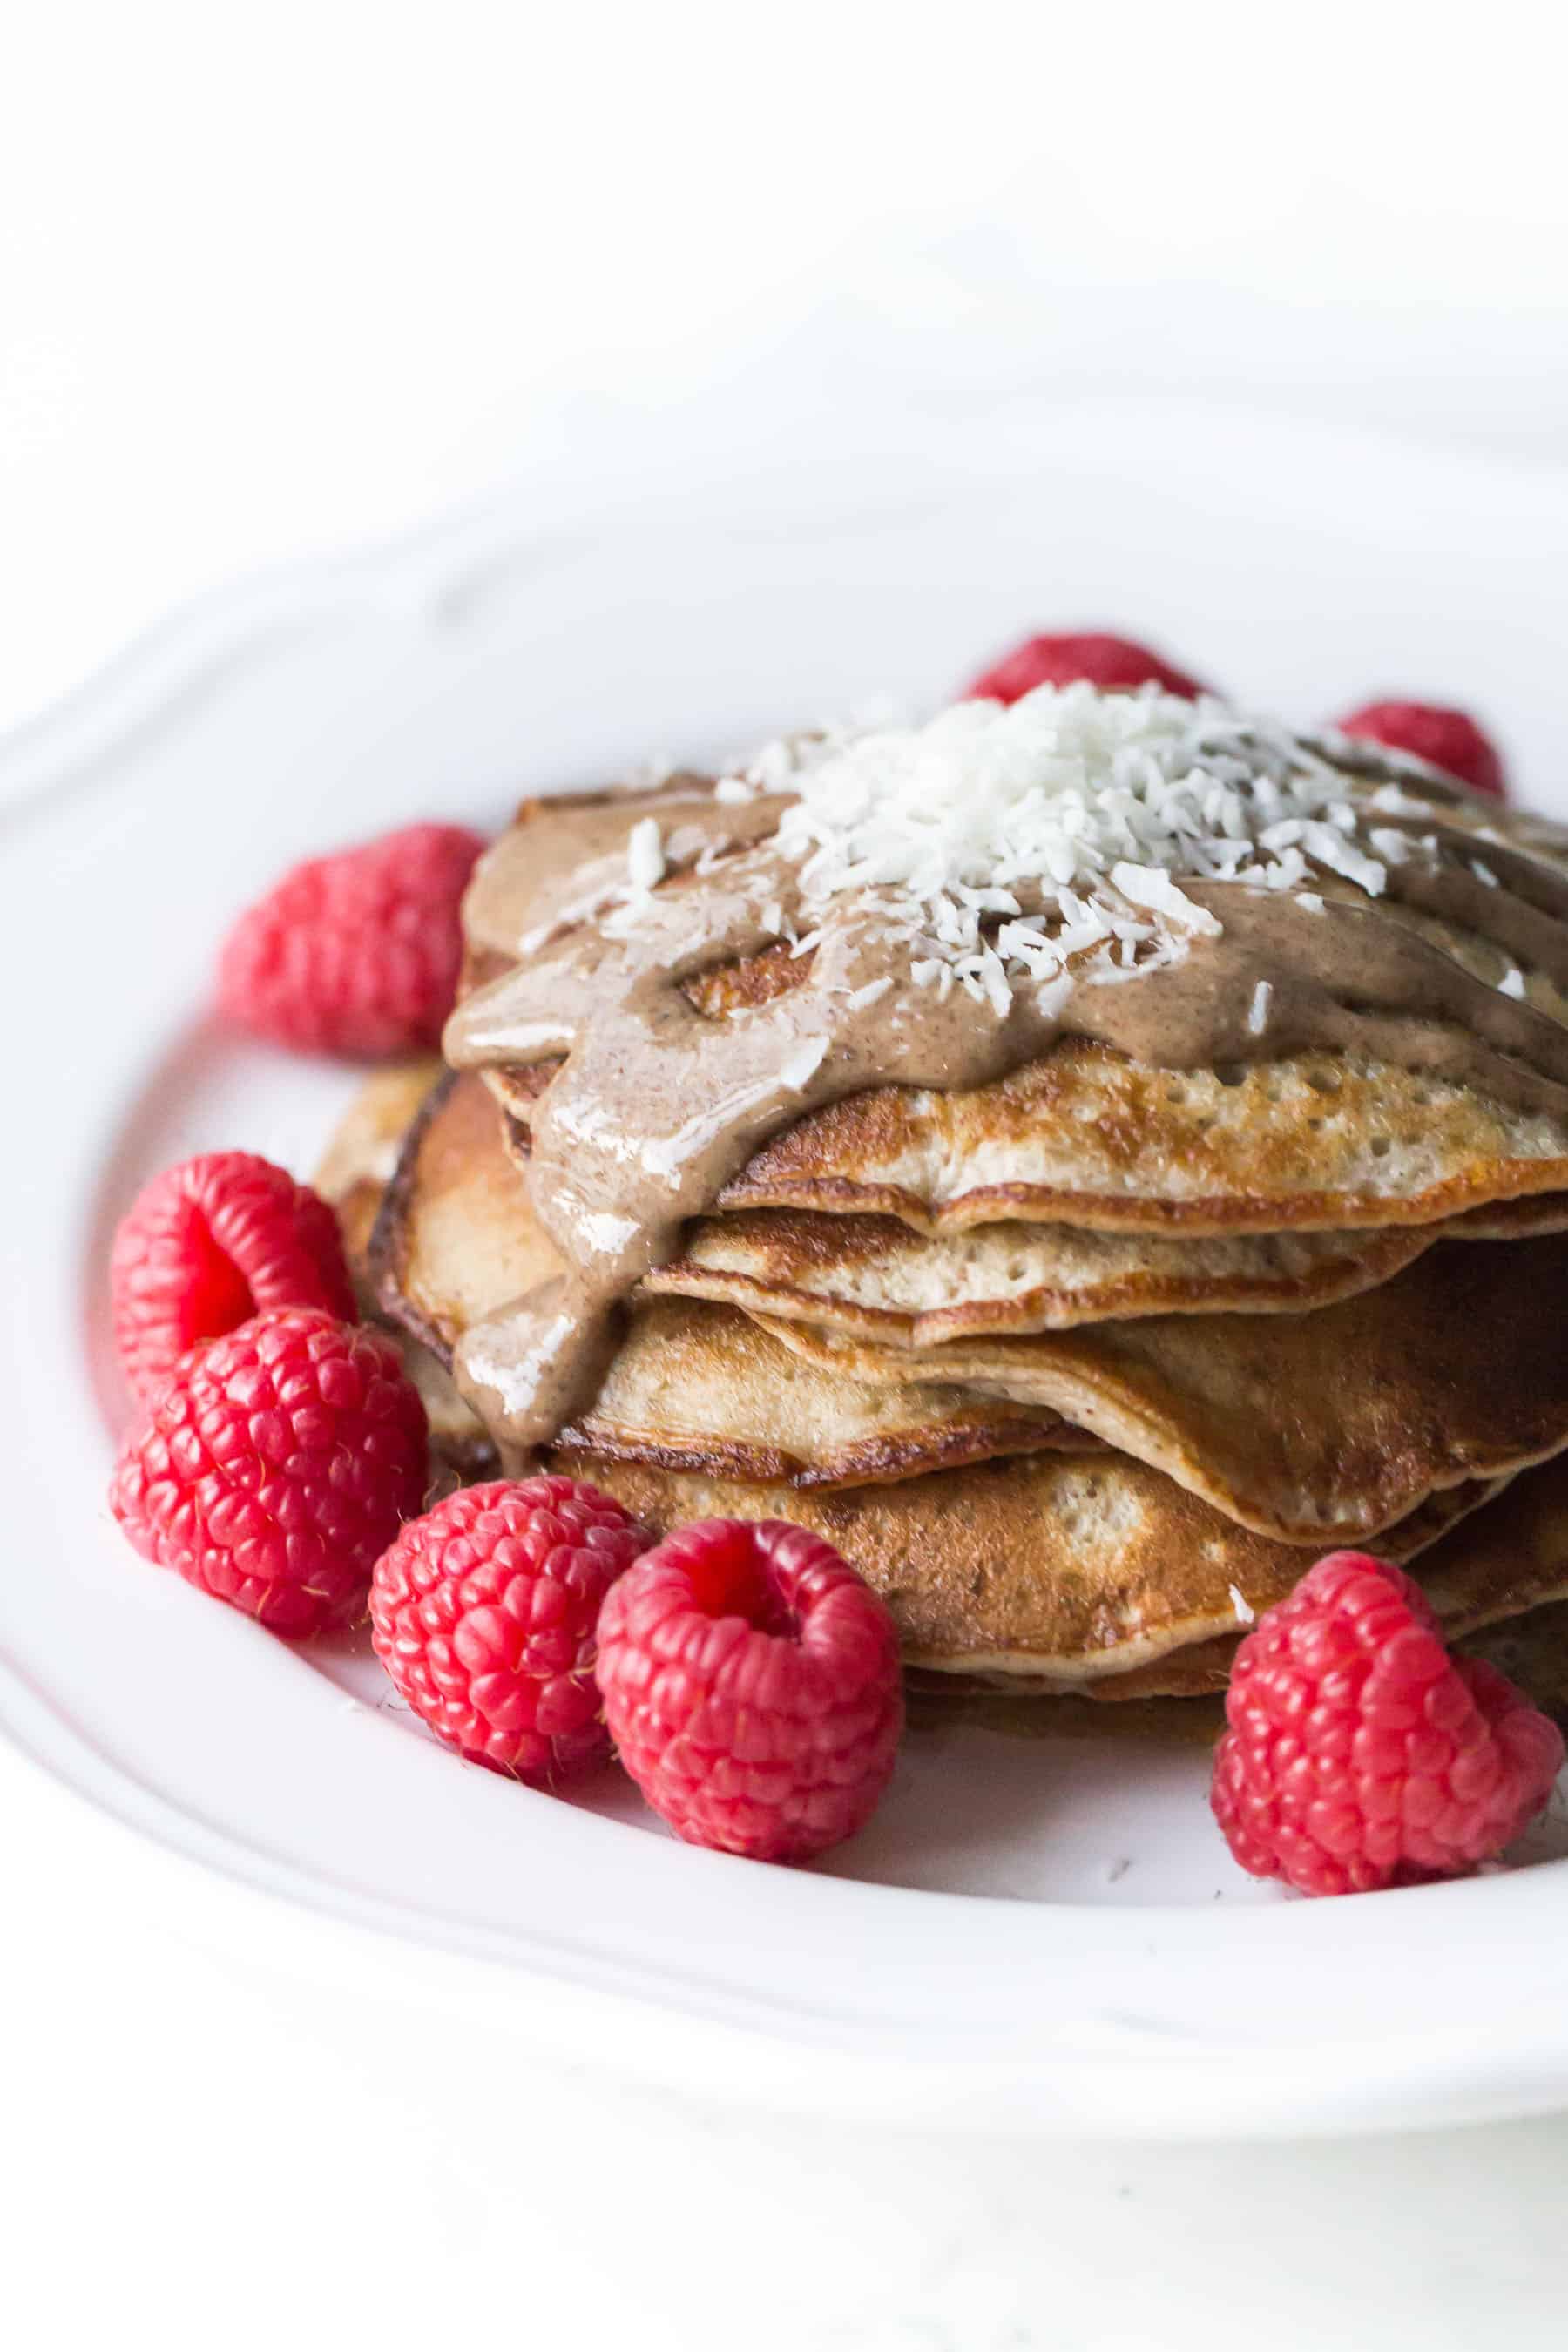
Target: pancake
878,1276
452,1240
692,1387
702,1389
1510,1221
1318,1428
1384,1410
354,1172
1086,1138
1048,1571
936,1703
1349,1135
1423,1538
1510,1557
1531,1651
363,1149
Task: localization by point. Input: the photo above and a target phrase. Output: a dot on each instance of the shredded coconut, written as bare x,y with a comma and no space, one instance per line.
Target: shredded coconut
1014,845
1243,1607
804,1063
645,855
1258,1012
1512,981
1483,874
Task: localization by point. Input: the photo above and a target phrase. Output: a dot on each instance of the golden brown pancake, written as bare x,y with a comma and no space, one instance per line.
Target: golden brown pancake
1319,1428
1509,1558
1085,1138
353,1173
453,1240
1511,1221
1531,1651
1372,1405
693,1387
363,1149
1055,1569
879,1277
700,1388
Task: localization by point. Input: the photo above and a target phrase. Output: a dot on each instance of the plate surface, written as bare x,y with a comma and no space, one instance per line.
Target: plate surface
1045,1933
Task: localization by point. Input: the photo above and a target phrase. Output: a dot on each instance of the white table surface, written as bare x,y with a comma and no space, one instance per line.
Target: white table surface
222,344
248,2162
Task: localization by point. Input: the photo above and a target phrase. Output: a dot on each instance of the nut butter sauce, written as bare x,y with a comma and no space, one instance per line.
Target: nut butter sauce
655,1105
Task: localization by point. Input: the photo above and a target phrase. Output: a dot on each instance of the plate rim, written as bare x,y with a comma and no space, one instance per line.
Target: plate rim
148,687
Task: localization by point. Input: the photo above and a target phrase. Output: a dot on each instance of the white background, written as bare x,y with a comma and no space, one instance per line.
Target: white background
273,282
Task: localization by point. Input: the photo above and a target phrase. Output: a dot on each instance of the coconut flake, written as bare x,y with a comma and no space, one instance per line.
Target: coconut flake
1246,1613
1055,835
645,855
1257,1011
1513,982
803,1065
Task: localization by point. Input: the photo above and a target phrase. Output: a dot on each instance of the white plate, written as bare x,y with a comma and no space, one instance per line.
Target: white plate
1044,1933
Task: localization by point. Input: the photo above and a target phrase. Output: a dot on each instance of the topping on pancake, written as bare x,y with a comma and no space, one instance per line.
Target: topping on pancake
1191,894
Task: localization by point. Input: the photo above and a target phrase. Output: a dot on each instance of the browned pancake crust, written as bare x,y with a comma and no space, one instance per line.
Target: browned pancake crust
1061,1567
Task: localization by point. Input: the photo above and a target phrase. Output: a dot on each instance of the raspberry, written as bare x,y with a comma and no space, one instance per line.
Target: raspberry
1360,1754
752,1685
276,1466
356,953
1449,739
484,1613
205,1245
1098,660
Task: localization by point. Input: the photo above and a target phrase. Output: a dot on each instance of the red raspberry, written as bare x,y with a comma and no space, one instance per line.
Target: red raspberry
1360,1753
1449,739
276,1467
356,953
752,1685
1088,655
484,1613
206,1244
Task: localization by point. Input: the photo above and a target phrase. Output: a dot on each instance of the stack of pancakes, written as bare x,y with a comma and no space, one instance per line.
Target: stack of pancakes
1081,1369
